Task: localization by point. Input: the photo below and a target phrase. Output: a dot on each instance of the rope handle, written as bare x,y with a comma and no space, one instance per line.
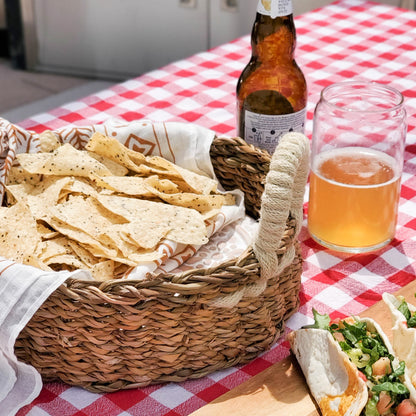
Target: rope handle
283,193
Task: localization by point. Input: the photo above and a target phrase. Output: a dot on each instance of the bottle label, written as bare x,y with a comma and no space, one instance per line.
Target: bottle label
275,8
264,131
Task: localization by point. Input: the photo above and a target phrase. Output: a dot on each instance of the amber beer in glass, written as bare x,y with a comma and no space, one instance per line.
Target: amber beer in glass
359,131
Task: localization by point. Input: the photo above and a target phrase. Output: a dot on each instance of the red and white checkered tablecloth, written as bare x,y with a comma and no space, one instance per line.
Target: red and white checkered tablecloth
348,39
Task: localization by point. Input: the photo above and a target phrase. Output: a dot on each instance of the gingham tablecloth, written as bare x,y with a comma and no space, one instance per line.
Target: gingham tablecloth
348,39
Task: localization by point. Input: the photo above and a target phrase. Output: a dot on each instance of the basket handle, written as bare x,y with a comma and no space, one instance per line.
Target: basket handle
283,193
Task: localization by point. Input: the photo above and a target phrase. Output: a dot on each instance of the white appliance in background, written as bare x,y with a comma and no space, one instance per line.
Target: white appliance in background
119,39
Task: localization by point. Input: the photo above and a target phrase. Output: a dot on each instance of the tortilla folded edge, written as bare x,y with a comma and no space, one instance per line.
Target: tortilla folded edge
333,380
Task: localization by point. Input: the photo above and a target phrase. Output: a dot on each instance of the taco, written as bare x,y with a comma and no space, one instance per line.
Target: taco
350,369
403,315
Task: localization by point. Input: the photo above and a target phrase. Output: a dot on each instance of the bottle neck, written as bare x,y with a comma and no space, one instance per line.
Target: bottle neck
273,37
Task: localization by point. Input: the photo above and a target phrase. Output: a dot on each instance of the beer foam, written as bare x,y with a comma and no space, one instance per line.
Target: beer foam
376,163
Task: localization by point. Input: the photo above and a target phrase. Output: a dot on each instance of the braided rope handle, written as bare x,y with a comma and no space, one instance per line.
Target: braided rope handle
283,193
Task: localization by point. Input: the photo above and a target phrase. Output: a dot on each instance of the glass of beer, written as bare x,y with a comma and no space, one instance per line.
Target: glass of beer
359,132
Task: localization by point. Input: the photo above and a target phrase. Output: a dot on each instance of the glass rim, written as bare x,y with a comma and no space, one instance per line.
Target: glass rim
363,84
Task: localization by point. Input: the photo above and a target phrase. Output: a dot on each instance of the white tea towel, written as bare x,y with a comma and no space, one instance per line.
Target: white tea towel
23,289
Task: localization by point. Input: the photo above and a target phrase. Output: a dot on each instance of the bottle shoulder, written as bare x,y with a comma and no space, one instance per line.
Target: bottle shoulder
266,73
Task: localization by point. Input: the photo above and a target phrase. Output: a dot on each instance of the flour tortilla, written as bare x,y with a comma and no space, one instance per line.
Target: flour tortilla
332,378
404,340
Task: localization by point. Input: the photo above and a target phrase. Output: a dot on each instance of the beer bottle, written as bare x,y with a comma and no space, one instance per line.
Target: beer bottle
271,90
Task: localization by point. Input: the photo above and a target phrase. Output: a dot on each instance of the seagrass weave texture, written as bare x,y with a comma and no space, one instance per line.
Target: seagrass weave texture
112,335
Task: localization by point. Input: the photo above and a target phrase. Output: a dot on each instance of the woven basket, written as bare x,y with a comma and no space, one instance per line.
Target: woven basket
112,335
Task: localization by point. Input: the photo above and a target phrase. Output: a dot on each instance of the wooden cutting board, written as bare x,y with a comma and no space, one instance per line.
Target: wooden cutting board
281,390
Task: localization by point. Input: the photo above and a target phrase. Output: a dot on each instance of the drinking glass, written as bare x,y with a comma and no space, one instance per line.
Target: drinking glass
358,138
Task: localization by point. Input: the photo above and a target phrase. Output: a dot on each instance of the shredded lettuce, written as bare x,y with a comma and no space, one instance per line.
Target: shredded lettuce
404,309
393,388
411,322
360,359
321,321
371,407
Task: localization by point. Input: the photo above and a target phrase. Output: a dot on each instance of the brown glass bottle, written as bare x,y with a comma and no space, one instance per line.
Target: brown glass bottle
271,90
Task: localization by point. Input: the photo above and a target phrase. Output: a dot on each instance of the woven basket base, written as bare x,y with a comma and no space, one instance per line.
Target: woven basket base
143,333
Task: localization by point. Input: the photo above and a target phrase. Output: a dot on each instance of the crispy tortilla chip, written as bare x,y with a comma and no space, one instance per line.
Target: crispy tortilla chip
104,270
149,165
18,175
18,233
54,247
129,185
71,261
186,225
96,247
111,149
104,227
83,253
121,270
146,234
41,196
114,167
78,186
198,183
45,232
162,185
65,160
83,214
136,256
188,181
202,203
36,262
48,141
